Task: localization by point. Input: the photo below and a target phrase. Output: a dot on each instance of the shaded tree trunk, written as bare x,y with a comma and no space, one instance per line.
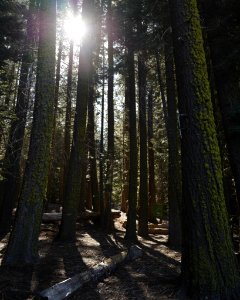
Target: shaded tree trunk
11,169
151,162
143,188
209,268
124,198
174,174
23,244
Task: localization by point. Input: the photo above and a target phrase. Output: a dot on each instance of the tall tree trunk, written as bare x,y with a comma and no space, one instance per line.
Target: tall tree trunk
223,43
108,222
101,158
151,162
174,174
72,192
11,169
125,183
23,244
92,146
209,268
51,175
143,188
133,155
67,131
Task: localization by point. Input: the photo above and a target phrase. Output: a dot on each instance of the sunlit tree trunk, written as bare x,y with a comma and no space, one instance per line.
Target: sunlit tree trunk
108,222
209,268
23,244
133,154
72,191
67,131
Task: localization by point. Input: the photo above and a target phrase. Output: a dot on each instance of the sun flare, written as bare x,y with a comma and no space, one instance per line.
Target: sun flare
74,28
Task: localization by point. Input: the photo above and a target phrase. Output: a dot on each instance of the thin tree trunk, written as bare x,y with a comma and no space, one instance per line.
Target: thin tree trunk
124,198
151,162
174,174
133,155
108,222
143,188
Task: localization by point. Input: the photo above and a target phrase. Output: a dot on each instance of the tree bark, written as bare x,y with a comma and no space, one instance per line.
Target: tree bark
72,190
23,244
174,173
209,268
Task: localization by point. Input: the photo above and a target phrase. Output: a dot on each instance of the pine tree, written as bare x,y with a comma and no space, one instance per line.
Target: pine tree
209,268
23,244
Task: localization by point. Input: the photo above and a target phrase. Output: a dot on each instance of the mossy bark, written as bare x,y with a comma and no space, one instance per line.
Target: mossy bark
209,268
23,244
72,191
223,41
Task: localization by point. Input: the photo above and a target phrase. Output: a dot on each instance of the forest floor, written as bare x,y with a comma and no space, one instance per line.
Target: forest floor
153,276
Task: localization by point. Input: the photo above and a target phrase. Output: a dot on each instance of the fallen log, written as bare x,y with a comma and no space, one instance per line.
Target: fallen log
86,215
67,287
163,231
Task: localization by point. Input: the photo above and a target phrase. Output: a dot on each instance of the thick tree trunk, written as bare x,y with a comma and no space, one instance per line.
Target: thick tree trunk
72,191
23,243
209,268
223,42
174,173
11,169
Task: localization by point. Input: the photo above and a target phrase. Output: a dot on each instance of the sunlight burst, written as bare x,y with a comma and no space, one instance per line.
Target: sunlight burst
74,27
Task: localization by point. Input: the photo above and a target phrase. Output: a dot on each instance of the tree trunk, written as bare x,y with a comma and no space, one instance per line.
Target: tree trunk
51,176
67,133
209,268
108,222
133,154
125,183
11,168
174,174
23,244
143,188
151,162
223,44
72,191
92,146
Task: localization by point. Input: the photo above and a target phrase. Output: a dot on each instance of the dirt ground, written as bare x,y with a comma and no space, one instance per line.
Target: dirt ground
154,276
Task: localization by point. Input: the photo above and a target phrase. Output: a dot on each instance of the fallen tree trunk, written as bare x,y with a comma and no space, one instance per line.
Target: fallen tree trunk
67,287
86,215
